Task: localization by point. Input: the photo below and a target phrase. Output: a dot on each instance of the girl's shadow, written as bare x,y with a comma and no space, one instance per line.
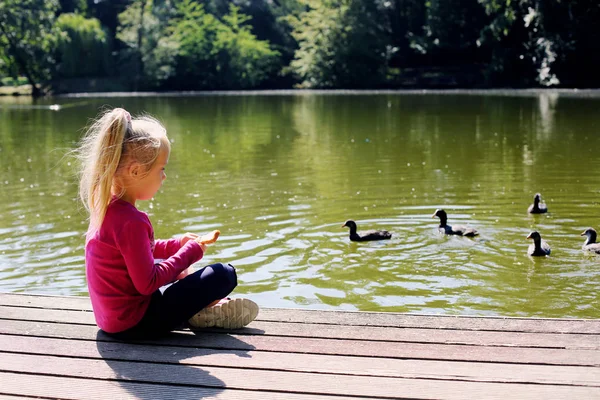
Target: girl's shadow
170,367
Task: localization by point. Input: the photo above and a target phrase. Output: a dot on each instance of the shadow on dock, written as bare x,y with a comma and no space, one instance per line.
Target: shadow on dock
136,363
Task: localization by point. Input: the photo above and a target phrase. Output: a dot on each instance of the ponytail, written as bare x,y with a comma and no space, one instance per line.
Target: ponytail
100,154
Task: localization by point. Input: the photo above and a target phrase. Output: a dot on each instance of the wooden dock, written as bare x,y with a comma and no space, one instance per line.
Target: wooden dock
50,347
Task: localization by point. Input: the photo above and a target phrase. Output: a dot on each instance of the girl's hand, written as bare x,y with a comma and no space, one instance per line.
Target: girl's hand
203,247
187,237
209,238
184,273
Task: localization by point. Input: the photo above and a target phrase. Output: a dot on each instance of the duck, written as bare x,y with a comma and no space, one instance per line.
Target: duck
590,243
539,246
459,230
536,207
365,236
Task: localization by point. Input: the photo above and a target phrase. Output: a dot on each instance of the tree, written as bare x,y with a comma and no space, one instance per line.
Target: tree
83,47
570,30
194,32
73,6
244,61
454,25
137,29
269,22
529,38
212,54
407,19
342,43
28,37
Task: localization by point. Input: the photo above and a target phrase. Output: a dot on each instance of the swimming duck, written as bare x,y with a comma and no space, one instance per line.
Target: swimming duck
365,236
536,207
459,230
539,246
590,243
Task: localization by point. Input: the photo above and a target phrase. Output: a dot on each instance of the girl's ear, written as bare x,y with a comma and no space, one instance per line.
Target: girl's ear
134,170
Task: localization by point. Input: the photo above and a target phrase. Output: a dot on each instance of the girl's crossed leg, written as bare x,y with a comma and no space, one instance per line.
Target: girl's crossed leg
182,300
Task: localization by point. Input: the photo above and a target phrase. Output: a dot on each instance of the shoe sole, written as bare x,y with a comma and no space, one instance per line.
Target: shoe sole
234,314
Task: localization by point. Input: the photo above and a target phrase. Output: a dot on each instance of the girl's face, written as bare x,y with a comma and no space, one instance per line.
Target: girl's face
146,187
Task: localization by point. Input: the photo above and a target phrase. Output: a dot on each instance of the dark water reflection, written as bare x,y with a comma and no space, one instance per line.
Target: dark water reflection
279,174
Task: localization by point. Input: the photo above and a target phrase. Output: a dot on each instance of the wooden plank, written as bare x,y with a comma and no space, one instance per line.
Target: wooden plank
325,346
235,378
352,318
54,387
342,365
434,322
418,335
491,338
80,303
283,382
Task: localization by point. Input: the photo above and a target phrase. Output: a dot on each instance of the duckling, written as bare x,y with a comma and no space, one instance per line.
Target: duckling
459,230
365,236
536,207
590,243
539,246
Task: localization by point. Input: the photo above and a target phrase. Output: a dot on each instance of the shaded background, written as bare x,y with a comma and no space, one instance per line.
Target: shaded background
123,45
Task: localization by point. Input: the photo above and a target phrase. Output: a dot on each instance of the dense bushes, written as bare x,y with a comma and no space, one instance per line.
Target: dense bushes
217,54
342,44
187,48
83,48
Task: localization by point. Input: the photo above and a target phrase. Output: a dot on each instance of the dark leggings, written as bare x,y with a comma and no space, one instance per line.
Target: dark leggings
172,308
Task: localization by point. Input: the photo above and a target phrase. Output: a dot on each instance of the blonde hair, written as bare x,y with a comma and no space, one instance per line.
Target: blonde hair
111,143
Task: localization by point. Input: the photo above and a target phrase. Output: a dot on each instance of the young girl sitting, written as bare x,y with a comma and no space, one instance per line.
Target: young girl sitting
123,161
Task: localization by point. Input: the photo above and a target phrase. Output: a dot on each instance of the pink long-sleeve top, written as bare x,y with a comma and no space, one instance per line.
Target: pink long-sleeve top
120,267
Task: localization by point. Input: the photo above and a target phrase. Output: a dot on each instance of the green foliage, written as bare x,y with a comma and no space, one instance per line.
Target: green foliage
407,19
239,44
73,6
268,20
217,54
527,37
10,81
28,38
313,30
452,25
194,31
181,46
150,52
342,43
243,61
505,35
83,47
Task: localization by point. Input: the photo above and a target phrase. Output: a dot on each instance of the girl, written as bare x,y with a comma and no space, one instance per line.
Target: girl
123,160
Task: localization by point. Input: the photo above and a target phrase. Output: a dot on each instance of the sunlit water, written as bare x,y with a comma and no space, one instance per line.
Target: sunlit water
279,175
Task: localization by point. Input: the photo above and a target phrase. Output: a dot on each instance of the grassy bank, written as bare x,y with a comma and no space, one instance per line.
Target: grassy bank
21,90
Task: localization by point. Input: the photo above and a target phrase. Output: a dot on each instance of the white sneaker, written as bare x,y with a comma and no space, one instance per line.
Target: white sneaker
228,314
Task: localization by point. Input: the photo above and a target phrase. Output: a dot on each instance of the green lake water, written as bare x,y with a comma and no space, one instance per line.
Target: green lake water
279,174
